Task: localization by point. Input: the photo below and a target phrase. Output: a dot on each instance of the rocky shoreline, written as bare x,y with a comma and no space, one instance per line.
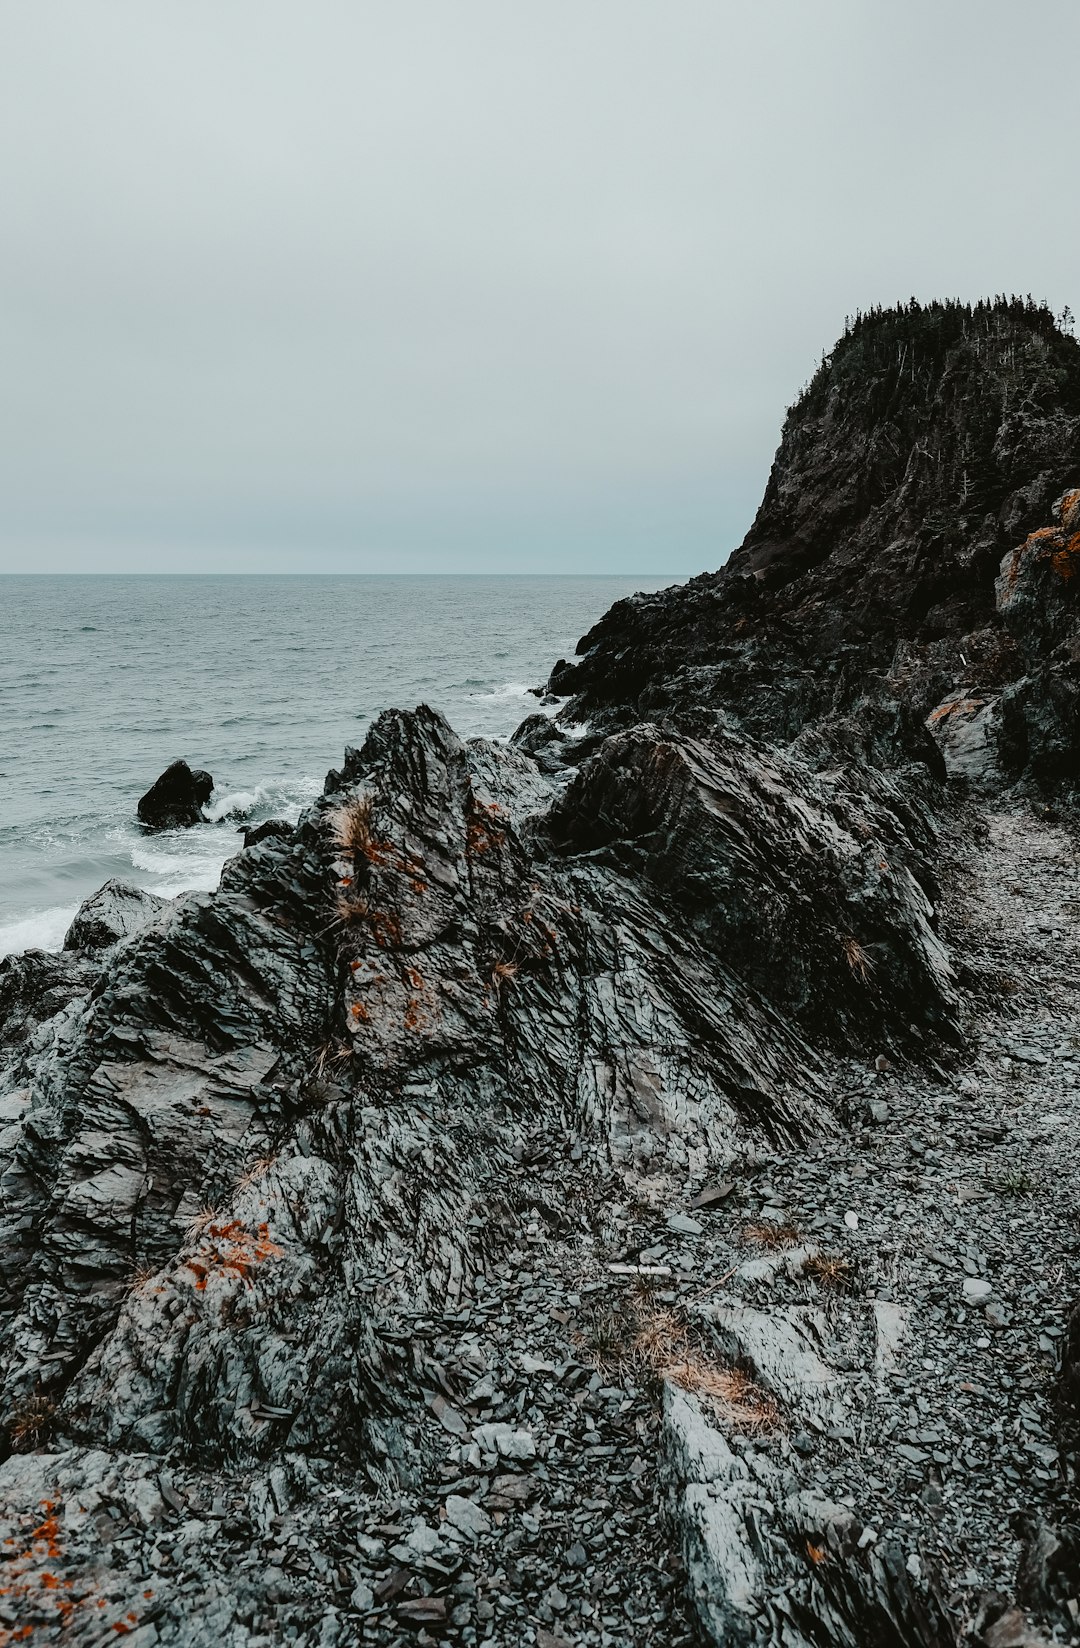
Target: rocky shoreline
617,1189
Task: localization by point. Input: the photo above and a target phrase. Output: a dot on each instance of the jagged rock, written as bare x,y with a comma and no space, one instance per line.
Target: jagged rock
177,798
807,895
383,984
928,441
329,1201
36,988
269,828
968,730
770,1562
114,912
1037,594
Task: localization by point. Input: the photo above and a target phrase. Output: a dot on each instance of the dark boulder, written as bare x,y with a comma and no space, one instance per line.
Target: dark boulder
177,798
114,912
268,830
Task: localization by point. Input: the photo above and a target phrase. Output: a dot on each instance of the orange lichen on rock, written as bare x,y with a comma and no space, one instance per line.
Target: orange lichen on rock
38,1593
1066,560
957,706
231,1250
481,835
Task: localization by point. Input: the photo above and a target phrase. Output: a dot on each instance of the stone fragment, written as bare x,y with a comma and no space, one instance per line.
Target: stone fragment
468,1517
503,1439
683,1224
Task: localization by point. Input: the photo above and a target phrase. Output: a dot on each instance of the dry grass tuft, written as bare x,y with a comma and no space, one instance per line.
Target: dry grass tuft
351,824
351,907
651,1339
202,1219
331,1053
139,1277
770,1235
830,1270
31,1422
856,957
503,971
258,1170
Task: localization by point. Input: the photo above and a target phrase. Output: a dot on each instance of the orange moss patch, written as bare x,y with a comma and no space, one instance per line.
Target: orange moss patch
1066,560
958,706
481,837
42,1596
231,1250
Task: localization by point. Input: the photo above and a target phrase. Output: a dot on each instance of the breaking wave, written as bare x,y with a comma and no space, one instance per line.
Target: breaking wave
40,930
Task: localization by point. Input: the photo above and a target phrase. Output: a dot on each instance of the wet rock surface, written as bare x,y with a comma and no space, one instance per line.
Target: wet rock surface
176,798
113,913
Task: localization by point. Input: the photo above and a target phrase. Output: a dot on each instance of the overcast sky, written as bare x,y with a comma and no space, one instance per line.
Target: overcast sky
471,285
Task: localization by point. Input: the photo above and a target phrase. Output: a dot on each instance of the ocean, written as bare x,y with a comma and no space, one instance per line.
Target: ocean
263,681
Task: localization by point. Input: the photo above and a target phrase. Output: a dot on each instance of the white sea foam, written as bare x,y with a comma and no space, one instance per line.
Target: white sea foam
284,799
237,805
510,689
41,930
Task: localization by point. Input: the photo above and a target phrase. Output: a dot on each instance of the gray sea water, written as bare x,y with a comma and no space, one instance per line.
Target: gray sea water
262,680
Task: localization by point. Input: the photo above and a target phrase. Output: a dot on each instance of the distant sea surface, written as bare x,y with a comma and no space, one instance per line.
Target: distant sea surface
261,680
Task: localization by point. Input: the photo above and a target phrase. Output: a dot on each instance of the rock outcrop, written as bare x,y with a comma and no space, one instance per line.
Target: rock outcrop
1038,597
113,913
177,798
927,445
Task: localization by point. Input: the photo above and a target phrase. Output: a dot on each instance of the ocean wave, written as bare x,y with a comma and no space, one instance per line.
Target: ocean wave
158,862
284,798
509,689
41,930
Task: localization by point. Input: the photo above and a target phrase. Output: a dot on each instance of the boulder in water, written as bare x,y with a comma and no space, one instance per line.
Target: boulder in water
177,798
114,912
268,830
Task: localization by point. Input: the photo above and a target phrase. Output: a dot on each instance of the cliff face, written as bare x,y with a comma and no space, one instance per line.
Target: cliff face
928,444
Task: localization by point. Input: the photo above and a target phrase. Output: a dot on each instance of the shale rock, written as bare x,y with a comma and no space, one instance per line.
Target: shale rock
1037,595
912,462
114,912
811,898
177,798
537,1133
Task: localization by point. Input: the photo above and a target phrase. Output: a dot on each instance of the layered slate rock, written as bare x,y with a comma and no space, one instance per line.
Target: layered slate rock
113,913
809,896
177,798
296,1111
1038,597
359,1212
925,447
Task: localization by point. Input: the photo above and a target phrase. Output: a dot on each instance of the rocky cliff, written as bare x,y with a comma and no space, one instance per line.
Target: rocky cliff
600,1191
926,448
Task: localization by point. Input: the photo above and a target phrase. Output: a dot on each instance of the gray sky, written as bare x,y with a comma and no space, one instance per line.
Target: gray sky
470,285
